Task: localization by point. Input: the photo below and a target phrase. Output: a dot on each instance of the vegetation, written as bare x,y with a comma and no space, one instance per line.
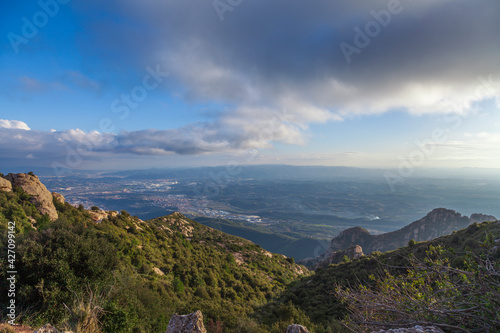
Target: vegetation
331,294
431,292
127,275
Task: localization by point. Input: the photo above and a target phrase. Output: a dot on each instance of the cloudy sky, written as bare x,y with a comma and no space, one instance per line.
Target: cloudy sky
157,83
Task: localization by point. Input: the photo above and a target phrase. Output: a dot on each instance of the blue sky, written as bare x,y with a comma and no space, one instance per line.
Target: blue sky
138,84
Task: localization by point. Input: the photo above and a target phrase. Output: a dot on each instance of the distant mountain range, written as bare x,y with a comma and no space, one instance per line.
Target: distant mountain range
270,171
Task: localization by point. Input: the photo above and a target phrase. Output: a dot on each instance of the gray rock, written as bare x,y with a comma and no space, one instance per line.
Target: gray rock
294,328
48,328
190,323
416,329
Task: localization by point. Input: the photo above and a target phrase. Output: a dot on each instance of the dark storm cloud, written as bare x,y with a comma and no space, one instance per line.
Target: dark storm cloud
426,57
281,67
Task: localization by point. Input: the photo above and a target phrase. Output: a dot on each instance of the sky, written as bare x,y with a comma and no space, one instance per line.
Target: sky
161,83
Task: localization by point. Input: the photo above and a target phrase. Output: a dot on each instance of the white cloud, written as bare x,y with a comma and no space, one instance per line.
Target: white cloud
14,124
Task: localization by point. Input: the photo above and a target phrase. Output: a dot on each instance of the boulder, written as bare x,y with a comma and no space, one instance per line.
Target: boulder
333,257
41,197
190,323
58,197
5,185
294,328
48,328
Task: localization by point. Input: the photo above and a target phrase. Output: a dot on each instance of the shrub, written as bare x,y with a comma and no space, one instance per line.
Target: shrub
432,292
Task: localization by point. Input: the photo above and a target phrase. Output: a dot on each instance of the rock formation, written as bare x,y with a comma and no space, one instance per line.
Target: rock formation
437,223
41,197
58,197
354,252
481,218
296,329
190,323
48,328
5,185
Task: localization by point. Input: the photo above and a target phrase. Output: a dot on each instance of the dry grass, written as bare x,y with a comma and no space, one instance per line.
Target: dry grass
6,328
85,312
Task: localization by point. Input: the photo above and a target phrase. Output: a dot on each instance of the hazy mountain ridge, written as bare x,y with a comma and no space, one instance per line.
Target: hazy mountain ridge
438,222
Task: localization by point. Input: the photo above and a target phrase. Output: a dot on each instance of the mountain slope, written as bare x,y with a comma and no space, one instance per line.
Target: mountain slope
315,295
296,247
143,271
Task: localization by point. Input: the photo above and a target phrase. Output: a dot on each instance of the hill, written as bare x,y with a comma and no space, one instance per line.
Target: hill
316,295
437,223
107,271
292,246
132,274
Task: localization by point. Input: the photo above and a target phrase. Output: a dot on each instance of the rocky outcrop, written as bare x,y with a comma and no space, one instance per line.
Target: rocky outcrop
5,185
178,221
296,329
41,197
336,257
481,218
190,323
48,328
437,223
58,197
416,329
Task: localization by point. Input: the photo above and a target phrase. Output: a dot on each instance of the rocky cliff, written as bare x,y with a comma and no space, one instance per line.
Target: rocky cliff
191,323
41,197
351,253
437,223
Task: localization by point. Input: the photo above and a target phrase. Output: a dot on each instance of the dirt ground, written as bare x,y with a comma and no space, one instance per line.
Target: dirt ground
17,328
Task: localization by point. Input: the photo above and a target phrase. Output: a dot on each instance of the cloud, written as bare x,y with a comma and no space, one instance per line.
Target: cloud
277,67
228,134
431,57
14,124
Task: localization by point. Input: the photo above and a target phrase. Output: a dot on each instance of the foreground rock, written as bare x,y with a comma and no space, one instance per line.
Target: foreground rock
47,329
296,329
190,323
416,329
58,197
5,185
41,197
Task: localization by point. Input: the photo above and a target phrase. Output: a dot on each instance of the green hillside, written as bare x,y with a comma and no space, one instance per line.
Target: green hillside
138,272
464,250
292,246
96,271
